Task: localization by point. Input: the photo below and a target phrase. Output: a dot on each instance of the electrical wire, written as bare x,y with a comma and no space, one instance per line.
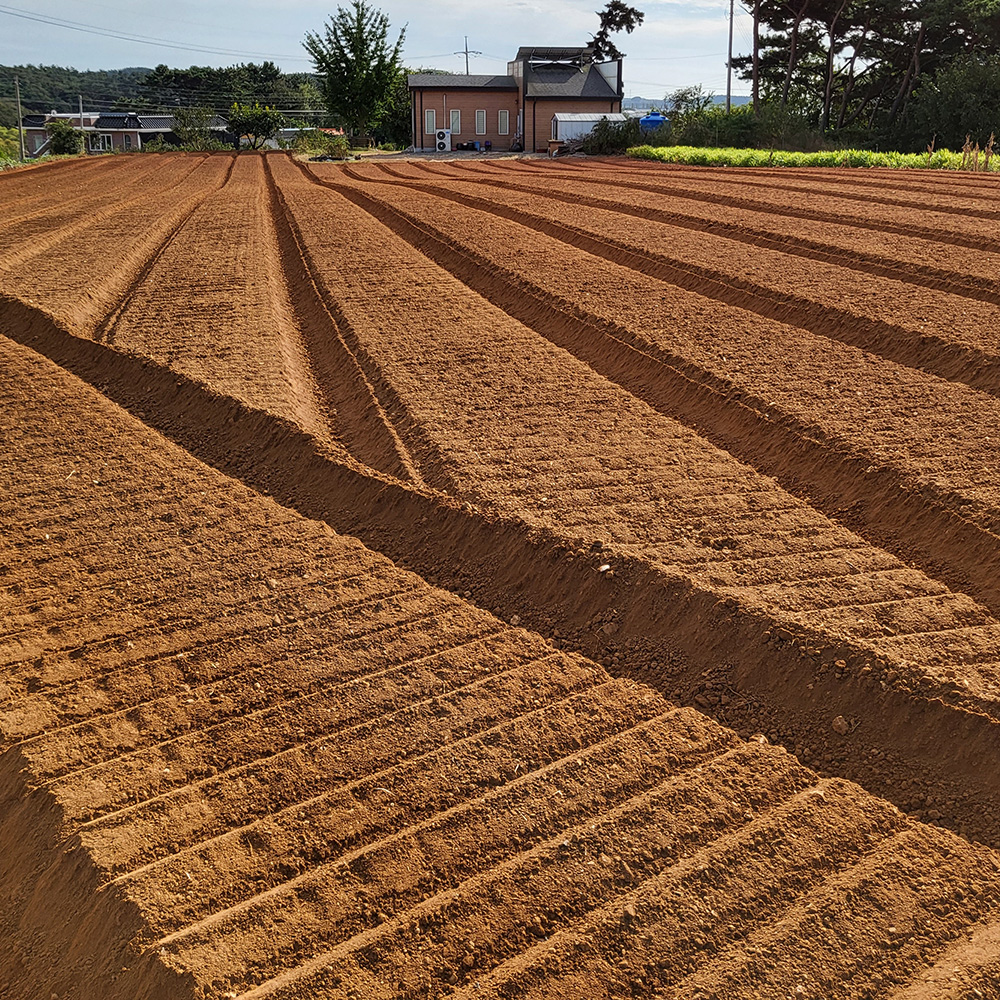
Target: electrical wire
138,39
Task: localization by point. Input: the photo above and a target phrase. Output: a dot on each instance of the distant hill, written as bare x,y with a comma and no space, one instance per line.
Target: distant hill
59,88
640,103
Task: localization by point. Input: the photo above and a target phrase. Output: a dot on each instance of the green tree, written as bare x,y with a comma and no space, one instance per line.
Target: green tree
8,115
358,67
256,122
66,140
191,127
851,68
616,16
963,99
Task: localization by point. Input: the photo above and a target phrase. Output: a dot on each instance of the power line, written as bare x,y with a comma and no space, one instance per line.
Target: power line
147,15
138,39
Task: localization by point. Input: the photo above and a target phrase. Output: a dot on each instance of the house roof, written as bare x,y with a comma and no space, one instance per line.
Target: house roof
558,80
442,81
150,123
119,120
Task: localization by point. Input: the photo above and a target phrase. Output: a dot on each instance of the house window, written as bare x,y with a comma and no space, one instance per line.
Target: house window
127,141
100,142
430,121
456,123
503,123
480,123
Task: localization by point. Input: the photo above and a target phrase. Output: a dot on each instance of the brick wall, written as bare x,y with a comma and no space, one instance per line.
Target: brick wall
468,102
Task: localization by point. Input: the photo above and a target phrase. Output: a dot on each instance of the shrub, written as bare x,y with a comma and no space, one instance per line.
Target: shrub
316,142
609,138
66,140
10,147
941,159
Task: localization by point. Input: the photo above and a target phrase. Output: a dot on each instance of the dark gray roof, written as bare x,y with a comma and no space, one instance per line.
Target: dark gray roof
154,123
116,120
112,121
443,81
164,122
554,80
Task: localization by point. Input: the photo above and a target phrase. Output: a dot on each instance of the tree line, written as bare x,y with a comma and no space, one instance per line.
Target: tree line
898,72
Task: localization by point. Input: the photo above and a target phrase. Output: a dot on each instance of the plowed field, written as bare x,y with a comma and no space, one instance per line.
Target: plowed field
498,579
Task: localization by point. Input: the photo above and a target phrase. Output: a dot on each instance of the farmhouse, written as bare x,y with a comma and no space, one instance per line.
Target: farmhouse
106,132
515,111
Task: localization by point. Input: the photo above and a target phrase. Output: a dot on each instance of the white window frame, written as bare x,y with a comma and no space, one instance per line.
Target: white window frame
480,121
455,117
430,121
503,123
126,141
101,142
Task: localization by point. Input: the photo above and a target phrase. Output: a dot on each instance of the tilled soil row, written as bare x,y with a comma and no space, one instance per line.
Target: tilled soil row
976,633
923,221
346,377
90,266
42,233
93,184
493,557
371,788
892,188
808,401
966,272
839,611
902,322
261,357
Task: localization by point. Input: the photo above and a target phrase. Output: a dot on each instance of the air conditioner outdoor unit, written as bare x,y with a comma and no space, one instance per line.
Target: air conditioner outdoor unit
442,140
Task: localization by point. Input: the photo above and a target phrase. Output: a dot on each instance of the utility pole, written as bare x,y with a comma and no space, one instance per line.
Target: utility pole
20,126
467,52
729,64
756,59
80,98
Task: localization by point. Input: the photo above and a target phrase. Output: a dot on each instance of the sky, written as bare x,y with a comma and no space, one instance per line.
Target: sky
681,42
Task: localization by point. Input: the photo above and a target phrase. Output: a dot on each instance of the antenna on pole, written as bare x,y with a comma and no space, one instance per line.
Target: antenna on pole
467,52
729,64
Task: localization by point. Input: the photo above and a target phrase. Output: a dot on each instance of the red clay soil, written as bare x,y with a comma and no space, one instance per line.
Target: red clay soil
884,253
261,358
918,217
795,584
76,266
331,777
918,326
928,438
244,756
517,382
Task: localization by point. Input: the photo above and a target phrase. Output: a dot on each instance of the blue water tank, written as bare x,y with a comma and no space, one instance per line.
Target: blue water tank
652,121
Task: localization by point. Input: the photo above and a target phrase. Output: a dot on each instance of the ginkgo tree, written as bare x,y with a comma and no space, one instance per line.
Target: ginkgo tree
358,65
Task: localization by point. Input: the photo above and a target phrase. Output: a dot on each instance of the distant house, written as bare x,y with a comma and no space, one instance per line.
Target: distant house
105,132
516,110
